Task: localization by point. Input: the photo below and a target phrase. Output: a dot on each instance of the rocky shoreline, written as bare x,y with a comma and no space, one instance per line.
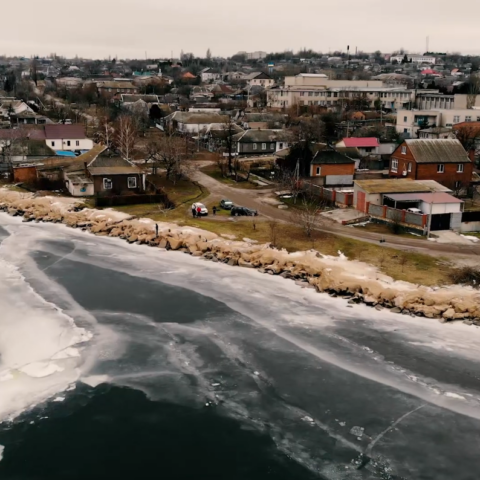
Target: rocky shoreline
356,282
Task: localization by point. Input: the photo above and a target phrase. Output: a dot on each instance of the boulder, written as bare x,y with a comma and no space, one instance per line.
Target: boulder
449,314
175,243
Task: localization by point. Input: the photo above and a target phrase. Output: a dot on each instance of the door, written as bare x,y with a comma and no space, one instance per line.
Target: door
440,222
361,201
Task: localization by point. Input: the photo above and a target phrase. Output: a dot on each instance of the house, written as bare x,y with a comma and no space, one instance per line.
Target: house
264,120
365,145
29,118
210,75
442,160
434,133
261,142
77,178
259,79
331,168
116,86
61,137
217,136
193,123
188,76
115,176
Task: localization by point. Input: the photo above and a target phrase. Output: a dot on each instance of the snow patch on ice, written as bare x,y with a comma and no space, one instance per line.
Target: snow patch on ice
41,369
454,395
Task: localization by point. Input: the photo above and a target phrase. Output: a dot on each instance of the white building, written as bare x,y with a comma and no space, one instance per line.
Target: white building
318,89
410,121
194,123
67,137
414,58
209,75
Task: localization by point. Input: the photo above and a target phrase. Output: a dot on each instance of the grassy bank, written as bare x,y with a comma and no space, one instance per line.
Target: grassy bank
214,172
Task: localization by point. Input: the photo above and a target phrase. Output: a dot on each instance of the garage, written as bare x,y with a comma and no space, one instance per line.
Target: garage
440,222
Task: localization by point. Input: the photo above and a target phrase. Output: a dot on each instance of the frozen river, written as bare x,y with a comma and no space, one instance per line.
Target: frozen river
125,361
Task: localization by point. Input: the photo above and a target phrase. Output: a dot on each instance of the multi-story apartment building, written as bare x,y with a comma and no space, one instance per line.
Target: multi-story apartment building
410,121
317,89
414,58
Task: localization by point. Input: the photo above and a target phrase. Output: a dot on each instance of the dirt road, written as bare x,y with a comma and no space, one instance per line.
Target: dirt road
464,254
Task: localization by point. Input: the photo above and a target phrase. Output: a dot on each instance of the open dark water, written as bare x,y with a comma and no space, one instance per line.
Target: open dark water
197,370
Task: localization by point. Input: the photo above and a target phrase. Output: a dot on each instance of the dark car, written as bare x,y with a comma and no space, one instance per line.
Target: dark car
226,204
243,211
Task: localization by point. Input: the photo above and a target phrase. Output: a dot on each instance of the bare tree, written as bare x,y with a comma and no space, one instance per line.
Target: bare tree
468,136
273,225
34,70
473,90
168,153
15,144
307,216
125,136
229,130
290,181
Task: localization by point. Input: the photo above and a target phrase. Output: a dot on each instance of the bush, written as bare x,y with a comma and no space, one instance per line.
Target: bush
466,276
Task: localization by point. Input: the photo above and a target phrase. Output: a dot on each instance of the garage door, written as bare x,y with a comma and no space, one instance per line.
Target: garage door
361,201
440,222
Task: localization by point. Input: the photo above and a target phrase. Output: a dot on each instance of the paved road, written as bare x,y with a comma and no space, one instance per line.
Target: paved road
253,199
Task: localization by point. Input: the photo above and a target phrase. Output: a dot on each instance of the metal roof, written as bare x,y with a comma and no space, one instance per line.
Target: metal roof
432,197
394,185
61,131
447,150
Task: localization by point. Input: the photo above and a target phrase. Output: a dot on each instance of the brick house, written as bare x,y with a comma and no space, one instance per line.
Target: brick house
442,160
330,168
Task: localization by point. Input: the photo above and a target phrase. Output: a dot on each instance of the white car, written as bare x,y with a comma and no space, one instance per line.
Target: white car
414,210
203,209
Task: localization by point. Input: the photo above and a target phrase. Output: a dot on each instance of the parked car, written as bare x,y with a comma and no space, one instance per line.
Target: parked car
202,207
414,210
226,204
243,212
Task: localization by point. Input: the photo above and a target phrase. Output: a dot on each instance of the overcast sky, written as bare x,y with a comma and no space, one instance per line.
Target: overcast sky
129,28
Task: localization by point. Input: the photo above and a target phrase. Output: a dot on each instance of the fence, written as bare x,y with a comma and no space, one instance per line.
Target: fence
337,197
393,215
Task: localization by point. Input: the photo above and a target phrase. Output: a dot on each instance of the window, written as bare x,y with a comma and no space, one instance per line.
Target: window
107,184
394,165
468,118
404,150
254,146
68,143
280,146
404,119
460,168
440,168
132,182
310,94
409,167
317,94
456,119
318,170
77,143
302,94
53,144
272,146
264,146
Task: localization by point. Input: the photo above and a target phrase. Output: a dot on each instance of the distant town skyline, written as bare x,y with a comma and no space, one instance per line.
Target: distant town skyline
133,28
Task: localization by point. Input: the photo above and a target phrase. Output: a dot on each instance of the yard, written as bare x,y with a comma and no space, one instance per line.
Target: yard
214,172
